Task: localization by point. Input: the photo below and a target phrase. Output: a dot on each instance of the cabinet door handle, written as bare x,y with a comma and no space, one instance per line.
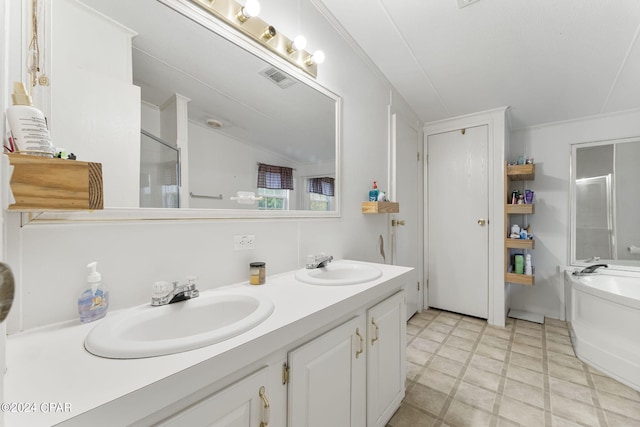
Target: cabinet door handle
377,331
360,349
266,415
482,221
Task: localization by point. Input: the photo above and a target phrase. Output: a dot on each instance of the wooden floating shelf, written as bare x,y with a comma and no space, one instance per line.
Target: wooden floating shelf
380,207
521,172
520,209
520,243
520,279
43,184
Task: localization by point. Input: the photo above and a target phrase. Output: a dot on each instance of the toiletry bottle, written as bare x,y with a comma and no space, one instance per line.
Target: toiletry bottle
94,301
373,193
528,270
519,261
28,125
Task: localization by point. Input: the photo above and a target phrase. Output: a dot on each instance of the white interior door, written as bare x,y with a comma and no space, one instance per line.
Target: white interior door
406,232
457,212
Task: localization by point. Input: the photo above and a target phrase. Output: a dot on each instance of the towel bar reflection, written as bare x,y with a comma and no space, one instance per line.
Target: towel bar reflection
201,196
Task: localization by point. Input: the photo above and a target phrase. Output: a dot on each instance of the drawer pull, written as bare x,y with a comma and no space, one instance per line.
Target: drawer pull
377,331
266,416
360,349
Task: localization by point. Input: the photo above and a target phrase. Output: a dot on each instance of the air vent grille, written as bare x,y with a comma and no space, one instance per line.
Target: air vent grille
278,77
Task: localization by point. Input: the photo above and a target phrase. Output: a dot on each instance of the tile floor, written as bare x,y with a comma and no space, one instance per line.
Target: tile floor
463,372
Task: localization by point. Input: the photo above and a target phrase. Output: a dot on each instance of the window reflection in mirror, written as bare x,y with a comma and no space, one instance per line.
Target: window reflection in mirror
606,203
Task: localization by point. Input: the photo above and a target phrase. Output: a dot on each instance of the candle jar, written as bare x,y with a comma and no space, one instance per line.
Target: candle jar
257,273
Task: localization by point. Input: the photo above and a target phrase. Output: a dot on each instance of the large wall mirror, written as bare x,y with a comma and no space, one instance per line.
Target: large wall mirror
210,110
606,203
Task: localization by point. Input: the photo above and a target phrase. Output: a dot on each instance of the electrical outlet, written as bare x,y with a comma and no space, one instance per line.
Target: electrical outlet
244,242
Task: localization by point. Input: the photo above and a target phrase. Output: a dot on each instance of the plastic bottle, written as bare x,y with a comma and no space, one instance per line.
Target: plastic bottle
94,301
28,125
373,193
519,261
528,270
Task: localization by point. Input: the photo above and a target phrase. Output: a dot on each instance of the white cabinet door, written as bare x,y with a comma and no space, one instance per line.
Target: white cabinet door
386,339
327,379
239,405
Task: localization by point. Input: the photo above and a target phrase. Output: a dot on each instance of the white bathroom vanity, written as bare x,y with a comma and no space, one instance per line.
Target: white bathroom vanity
327,355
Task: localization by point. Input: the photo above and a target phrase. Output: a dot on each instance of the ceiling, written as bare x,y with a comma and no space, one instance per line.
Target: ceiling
549,60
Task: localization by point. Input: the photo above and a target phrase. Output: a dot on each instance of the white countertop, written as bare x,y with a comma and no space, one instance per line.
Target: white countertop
51,377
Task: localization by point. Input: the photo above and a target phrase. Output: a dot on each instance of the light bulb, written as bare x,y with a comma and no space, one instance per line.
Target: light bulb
251,8
299,42
318,57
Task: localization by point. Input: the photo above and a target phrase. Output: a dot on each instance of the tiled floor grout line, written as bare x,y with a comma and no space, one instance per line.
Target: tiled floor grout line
427,363
503,378
548,418
594,397
456,384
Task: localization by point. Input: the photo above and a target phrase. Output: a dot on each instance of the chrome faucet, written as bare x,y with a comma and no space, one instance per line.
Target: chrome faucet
165,293
318,261
589,270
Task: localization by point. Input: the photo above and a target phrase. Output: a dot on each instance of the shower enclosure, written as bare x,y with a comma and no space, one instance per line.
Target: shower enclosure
159,173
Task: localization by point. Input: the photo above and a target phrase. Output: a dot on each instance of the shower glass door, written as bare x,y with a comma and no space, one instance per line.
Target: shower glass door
159,173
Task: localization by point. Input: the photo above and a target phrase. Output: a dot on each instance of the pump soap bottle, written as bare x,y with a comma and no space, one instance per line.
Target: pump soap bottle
94,301
373,193
28,125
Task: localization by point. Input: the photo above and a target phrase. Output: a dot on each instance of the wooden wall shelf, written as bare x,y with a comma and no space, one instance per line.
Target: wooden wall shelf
521,172
520,209
43,184
520,279
520,243
380,207
525,172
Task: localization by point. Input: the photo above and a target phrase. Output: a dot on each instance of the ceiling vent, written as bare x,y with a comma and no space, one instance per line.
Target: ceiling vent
281,79
465,3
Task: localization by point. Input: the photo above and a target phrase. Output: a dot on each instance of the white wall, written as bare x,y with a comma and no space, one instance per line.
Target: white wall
549,145
103,127
50,259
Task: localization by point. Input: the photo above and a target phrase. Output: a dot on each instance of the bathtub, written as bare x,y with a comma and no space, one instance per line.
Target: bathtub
604,316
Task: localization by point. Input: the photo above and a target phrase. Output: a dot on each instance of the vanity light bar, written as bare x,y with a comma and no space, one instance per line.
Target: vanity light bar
261,32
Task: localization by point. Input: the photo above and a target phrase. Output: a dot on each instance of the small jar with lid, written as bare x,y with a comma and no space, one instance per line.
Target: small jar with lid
257,273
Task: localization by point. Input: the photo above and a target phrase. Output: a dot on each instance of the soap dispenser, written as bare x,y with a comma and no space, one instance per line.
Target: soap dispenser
94,301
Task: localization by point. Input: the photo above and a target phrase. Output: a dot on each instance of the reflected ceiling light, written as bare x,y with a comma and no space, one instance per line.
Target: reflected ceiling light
298,43
250,9
317,58
213,123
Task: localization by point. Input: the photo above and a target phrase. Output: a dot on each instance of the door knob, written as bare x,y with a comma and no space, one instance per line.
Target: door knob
397,222
482,221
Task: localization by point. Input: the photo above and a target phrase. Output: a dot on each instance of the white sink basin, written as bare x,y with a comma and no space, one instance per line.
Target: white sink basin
338,274
155,331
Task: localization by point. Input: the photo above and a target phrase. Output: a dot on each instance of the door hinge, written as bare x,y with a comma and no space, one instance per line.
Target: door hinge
418,285
426,158
285,373
418,156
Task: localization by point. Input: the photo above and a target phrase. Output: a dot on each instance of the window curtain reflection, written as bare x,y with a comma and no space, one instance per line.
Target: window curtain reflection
275,177
323,185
